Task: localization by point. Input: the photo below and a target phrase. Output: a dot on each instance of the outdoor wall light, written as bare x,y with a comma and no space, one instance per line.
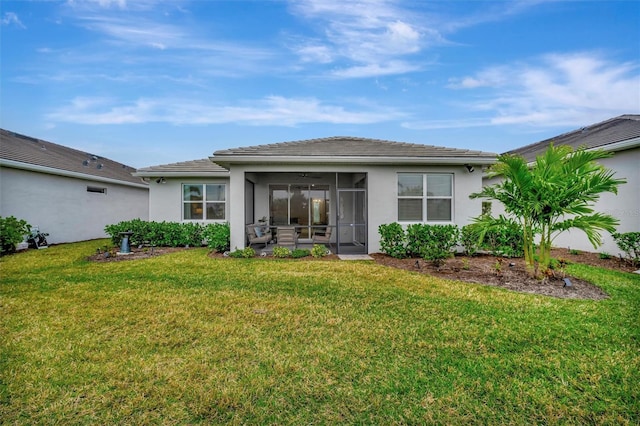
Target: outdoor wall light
161,180
469,168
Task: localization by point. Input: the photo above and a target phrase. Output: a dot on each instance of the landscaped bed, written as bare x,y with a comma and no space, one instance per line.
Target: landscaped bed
509,273
184,338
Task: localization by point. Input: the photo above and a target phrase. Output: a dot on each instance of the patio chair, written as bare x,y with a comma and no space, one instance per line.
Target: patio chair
258,234
322,236
287,236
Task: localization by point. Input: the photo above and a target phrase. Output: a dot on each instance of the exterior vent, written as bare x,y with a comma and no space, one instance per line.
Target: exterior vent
96,189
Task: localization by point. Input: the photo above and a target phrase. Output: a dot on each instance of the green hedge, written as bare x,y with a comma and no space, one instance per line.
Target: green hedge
430,242
171,234
436,242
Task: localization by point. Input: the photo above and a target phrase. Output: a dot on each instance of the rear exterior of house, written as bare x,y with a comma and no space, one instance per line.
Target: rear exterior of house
70,194
620,136
351,185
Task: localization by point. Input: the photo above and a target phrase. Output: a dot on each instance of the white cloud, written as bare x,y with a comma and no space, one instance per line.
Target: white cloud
366,37
557,90
491,77
130,42
270,111
315,52
11,18
369,36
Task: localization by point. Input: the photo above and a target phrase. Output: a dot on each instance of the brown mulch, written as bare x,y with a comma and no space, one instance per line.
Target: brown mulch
512,274
481,269
136,253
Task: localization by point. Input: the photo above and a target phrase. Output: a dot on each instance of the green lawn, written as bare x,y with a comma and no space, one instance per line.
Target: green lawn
186,339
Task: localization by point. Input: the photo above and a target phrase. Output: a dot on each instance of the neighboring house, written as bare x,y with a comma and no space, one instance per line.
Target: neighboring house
67,193
351,185
621,136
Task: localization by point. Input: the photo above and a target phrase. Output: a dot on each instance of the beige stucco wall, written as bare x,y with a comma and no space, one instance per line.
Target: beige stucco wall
62,207
625,206
165,199
381,192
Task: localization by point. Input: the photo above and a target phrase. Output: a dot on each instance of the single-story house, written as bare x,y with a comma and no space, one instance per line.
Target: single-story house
621,136
69,194
347,184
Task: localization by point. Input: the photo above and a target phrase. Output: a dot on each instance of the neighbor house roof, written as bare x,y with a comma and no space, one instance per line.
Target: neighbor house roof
27,153
203,167
615,134
344,149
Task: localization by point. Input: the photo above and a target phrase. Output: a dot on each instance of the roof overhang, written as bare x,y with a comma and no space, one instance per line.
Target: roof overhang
66,173
228,160
619,146
187,174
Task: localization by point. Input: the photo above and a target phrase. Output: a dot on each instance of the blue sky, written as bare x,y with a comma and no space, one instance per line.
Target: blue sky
150,82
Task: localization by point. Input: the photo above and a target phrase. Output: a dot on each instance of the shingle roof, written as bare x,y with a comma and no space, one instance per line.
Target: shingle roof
21,149
599,135
345,146
195,167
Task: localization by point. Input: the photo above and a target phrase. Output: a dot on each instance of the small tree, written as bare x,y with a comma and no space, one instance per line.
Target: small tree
553,195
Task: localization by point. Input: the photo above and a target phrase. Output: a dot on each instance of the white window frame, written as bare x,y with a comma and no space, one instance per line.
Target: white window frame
425,197
204,201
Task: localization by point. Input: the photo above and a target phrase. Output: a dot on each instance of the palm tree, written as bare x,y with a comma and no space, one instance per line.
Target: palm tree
556,193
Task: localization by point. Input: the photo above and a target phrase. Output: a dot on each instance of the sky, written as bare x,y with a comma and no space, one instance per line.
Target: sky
149,82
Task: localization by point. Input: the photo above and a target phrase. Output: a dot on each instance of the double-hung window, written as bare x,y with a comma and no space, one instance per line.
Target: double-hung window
204,201
425,197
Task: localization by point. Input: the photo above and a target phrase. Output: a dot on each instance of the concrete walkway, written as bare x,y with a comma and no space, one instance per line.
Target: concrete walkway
354,257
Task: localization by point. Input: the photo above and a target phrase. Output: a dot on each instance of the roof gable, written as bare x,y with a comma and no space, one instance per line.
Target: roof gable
24,150
600,135
345,147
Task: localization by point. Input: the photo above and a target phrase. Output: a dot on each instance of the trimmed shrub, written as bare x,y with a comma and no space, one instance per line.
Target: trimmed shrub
470,238
217,236
629,242
432,242
298,253
319,250
12,232
281,252
393,240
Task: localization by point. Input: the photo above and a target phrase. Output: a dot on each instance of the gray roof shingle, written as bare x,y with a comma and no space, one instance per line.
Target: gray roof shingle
200,167
345,146
31,151
599,135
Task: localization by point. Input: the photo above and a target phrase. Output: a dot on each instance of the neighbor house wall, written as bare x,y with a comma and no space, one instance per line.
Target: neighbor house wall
624,206
62,206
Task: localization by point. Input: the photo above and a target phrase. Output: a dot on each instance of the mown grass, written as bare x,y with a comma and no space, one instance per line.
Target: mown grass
186,339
